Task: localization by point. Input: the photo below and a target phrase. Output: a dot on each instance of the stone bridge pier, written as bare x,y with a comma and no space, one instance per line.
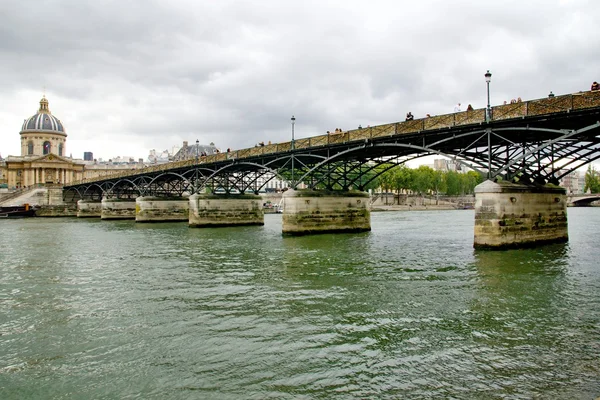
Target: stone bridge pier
509,215
308,212
161,209
114,208
89,208
216,210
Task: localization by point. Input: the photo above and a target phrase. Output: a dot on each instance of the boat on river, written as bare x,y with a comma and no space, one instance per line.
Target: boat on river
23,211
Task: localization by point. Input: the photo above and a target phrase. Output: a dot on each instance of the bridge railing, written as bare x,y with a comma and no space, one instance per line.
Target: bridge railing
575,101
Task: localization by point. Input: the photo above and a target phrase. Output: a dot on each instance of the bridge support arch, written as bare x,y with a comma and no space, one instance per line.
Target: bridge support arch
509,215
308,212
218,210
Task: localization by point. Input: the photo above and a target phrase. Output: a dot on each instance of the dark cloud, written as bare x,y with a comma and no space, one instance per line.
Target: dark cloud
126,77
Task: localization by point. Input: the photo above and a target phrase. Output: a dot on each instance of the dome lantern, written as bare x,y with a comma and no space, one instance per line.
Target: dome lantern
44,105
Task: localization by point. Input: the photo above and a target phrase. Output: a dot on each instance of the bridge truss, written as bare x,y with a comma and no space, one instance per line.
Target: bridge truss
538,141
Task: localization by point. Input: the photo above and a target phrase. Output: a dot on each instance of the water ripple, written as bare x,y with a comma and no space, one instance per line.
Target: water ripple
97,309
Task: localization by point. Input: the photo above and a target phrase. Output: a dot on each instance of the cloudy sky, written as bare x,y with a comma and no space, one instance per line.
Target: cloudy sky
129,76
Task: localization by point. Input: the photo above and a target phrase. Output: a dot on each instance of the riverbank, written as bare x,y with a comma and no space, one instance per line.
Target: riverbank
410,207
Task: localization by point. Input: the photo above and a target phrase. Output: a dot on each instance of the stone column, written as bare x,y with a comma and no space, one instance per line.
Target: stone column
161,209
89,209
113,208
308,212
509,215
208,210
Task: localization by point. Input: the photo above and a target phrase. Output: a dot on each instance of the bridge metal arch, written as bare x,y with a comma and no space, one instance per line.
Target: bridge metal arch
83,192
502,166
184,184
289,164
422,151
116,189
508,166
87,189
71,194
260,169
549,143
372,165
485,163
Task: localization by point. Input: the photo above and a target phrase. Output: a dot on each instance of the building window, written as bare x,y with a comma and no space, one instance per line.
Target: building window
47,147
29,148
60,149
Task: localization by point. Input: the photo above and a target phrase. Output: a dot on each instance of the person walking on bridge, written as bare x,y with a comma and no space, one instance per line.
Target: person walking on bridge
457,107
595,86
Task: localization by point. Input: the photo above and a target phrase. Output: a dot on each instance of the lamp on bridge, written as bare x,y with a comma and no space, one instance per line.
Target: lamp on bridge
488,110
197,148
293,122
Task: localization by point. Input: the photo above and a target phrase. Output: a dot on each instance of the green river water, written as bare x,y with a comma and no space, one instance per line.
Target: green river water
94,309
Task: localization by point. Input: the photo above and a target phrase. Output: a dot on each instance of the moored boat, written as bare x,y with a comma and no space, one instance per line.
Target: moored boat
23,211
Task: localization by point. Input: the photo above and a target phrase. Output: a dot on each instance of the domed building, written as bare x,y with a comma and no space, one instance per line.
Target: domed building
43,133
43,157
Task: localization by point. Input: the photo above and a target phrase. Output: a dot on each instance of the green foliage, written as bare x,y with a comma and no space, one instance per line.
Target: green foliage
592,180
424,180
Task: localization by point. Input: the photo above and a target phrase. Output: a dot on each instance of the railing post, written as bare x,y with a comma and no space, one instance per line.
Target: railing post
572,103
489,138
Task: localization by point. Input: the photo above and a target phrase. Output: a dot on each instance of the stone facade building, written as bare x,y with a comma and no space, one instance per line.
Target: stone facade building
43,157
43,160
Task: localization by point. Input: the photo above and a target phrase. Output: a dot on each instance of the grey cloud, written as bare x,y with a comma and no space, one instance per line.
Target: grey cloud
157,73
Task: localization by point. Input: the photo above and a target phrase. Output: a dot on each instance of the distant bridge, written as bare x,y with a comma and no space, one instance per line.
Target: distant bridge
582,200
539,140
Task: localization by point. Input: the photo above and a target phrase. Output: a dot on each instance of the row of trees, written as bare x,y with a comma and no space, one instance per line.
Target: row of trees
425,180
402,179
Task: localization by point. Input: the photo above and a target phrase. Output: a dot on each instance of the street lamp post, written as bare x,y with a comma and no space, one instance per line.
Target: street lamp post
293,122
488,78
197,148
488,117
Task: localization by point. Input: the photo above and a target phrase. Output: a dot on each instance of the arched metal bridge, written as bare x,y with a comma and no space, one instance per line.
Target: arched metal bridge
538,140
